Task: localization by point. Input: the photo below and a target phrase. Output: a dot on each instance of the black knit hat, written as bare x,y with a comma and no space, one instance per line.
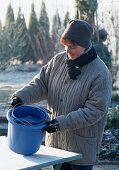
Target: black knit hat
80,32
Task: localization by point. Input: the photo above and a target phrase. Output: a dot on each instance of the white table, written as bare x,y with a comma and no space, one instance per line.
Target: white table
46,156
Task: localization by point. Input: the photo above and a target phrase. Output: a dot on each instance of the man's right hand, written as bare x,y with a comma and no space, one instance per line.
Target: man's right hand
16,101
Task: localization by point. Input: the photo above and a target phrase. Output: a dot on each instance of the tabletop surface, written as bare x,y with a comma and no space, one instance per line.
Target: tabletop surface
46,156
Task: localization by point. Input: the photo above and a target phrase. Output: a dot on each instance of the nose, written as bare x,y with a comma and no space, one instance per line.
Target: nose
67,49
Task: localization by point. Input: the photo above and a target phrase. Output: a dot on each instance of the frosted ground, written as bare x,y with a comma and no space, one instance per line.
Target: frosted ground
22,74
19,74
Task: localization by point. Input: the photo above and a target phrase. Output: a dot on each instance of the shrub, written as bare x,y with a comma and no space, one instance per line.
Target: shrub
113,118
115,96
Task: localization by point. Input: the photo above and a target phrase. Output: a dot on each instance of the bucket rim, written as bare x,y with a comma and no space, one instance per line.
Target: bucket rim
10,119
29,111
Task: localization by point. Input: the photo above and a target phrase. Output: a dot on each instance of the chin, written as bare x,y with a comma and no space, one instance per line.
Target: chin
71,57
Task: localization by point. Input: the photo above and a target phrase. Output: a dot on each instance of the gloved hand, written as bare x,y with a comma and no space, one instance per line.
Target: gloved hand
16,101
52,126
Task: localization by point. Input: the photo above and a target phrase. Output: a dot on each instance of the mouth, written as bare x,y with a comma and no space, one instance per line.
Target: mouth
71,58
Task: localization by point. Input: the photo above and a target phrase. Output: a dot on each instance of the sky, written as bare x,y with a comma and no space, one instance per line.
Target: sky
51,6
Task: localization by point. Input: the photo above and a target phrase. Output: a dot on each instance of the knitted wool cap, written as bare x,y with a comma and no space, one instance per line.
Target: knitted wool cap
80,32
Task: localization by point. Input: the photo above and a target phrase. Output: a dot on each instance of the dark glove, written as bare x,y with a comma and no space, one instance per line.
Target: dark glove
52,126
16,101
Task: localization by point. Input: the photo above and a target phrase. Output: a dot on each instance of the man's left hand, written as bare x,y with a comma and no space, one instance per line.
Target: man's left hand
52,126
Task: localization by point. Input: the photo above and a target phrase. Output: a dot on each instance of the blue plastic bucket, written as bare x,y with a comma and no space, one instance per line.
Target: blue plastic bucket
29,115
24,139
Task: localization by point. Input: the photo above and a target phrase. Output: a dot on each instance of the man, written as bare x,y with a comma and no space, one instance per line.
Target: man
77,85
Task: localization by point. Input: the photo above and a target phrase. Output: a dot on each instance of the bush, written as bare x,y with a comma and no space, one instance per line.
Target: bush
115,96
115,88
113,118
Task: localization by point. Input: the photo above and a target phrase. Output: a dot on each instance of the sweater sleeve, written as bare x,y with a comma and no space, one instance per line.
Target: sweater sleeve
37,89
96,106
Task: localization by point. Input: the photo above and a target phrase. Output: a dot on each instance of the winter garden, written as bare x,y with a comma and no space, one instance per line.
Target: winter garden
37,43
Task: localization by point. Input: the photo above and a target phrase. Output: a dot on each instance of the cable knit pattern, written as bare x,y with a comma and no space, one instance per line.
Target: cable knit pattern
80,106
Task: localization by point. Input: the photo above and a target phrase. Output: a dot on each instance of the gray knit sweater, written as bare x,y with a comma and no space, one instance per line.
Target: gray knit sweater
80,106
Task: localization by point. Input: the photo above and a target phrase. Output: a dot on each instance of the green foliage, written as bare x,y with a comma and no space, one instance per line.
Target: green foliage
113,118
9,16
40,45
103,53
115,96
33,23
66,19
21,42
20,18
18,42
87,9
87,5
43,50
112,155
14,42
110,142
32,30
43,38
6,37
0,27
115,88
44,20
7,44
56,32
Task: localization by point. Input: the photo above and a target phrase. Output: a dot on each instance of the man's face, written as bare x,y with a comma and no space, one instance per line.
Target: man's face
74,51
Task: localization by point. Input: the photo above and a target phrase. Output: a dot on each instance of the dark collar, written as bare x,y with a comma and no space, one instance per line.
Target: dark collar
73,66
83,59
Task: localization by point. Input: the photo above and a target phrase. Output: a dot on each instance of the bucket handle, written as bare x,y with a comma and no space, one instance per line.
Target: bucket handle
20,120
44,109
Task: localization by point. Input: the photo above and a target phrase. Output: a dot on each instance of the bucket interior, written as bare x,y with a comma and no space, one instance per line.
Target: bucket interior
29,114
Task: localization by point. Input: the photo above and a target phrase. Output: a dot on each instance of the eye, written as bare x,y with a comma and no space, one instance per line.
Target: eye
72,47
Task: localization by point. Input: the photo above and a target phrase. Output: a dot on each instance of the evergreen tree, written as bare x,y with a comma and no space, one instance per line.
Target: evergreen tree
21,42
32,32
103,52
86,10
44,37
20,20
56,32
6,46
40,47
44,20
0,27
7,34
19,17
66,19
33,23
9,19
1,40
